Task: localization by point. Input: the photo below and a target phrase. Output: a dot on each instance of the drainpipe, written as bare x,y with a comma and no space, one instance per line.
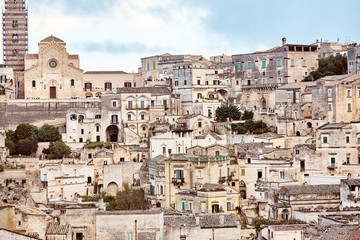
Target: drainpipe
135,229
213,233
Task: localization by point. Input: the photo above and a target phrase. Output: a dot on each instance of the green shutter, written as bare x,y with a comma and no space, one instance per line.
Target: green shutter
292,62
347,139
239,66
324,139
349,107
249,65
154,65
165,102
332,161
304,63
278,63
148,66
183,206
264,64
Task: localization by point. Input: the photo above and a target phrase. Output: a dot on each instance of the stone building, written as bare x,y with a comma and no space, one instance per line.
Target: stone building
202,89
137,224
53,72
336,99
58,231
327,49
260,73
292,198
15,40
8,89
209,226
349,192
337,144
97,83
353,54
187,172
293,109
155,191
208,198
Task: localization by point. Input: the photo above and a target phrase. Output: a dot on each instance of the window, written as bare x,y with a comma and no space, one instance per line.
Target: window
304,63
185,82
190,206
199,124
279,80
114,118
98,138
325,139
243,172
249,65
228,206
292,64
105,162
347,139
114,104
183,205
348,93
98,116
349,107
259,174
15,23
154,65
130,236
72,82
82,131
278,63
129,117
249,82
165,103
238,66
147,66
347,159
329,93
88,86
142,104
97,128
107,86
333,162
199,95
164,150
217,153
263,64
329,106
33,83
199,174
176,83
127,84
198,82
282,175
142,116
263,81
237,83
302,165
297,151
152,103
89,155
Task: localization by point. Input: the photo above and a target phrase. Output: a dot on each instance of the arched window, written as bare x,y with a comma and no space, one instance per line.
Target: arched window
72,82
33,83
199,95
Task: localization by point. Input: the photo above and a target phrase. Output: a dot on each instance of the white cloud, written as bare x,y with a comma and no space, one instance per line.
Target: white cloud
172,25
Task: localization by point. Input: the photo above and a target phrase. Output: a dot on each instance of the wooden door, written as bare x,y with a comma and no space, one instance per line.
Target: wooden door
52,92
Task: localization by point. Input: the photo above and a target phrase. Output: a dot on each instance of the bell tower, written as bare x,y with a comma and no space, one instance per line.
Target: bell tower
15,39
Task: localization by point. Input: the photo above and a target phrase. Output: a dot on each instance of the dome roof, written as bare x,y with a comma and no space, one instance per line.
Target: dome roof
52,38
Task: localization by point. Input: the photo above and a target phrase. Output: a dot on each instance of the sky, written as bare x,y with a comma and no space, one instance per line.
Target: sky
116,34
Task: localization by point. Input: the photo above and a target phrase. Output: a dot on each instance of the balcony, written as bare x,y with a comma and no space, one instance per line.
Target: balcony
222,179
178,181
331,167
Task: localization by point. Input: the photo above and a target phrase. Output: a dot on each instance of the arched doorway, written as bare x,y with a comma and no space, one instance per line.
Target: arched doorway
52,87
309,125
298,134
285,214
263,103
158,205
112,188
112,133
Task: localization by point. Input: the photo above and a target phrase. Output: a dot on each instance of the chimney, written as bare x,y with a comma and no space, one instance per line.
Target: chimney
284,41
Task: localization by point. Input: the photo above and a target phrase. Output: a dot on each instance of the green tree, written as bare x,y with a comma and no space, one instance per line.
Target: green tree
247,115
25,130
329,66
57,150
26,146
48,133
131,199
11,145
227,111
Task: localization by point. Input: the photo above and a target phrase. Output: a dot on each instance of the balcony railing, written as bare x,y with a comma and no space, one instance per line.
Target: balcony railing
114,121
178,181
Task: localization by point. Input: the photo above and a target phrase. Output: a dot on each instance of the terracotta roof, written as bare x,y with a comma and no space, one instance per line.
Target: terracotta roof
313,189
337,232
55,228
288,227
105,72
351,182
355,235
212,187
152,90
51,39
333,126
